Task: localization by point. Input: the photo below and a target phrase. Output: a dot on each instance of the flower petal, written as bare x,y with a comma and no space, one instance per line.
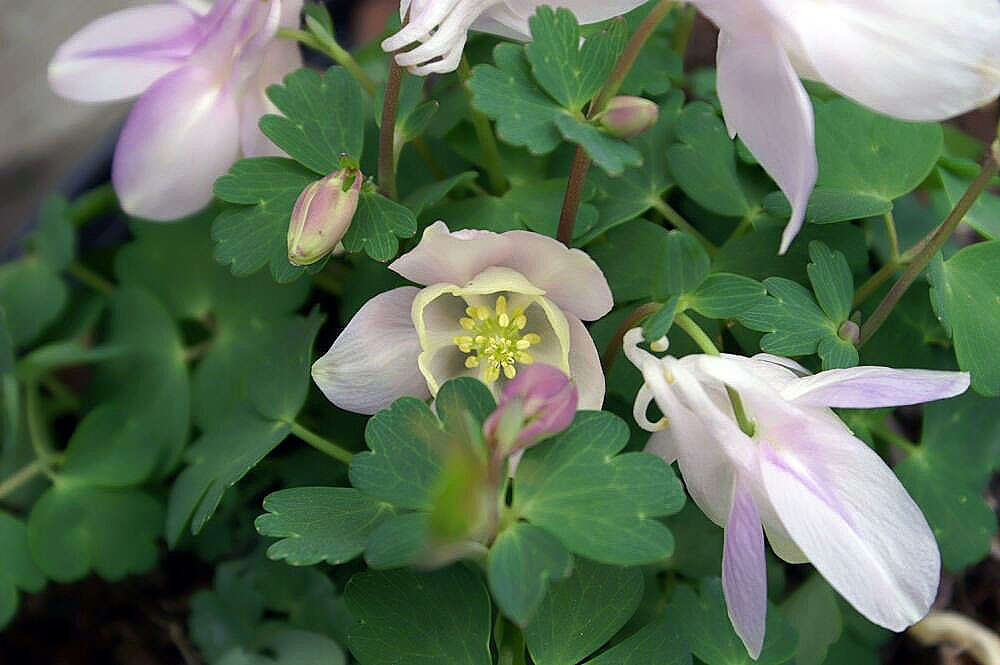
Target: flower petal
875,387
453,258
918,60
585,366
179,138
765,104
850,515
281,57
374,361
744,572
120,55
586,11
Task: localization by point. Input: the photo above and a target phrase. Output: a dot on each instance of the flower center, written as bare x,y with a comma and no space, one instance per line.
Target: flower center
495,340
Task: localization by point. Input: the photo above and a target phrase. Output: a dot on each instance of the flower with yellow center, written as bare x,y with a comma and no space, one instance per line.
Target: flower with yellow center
493,304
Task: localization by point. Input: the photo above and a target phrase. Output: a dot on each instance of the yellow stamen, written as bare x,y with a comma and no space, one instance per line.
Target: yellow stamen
495,344
471,361
468,324
509,371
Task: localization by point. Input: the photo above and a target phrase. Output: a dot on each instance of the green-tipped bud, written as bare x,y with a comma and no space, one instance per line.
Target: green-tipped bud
322,216
628,116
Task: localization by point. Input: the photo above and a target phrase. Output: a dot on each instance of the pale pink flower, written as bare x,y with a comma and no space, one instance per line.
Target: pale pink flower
819,493
492,303
200,75
918,60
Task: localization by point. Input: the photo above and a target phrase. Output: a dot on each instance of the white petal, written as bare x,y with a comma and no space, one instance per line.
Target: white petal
916,60
744,572
586,11
179,138
374,361
280,58
585,366
120,55
453,258
875,387
850,515
766,105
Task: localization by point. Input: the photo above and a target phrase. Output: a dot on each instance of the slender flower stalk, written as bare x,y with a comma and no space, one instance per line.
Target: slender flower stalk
387,136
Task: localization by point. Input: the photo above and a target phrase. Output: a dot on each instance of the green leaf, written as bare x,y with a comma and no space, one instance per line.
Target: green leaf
965,292
440,618
461,396
831,280
813,611
755,254
572,73
324,117
948,472
521,562
429,195
703,163
254,233
611,154
539,204
599,504
316,524
659,324
828,206
704,622
660,642
377,225
699,550
54,240
17,569
725,296
73,530
984,215
398,541
581,613
33,295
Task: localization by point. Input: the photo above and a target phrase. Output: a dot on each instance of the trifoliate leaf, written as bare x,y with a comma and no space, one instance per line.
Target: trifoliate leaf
439,618
660,642
831,280
984,215
324,117
579,614
377,225
521,562
599,504
828,206
316,524
74,529
965,293
399,540
725,295
17,569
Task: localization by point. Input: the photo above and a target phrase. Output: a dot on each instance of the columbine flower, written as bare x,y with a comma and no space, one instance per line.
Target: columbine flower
493,304
821,494
442,26
537,403
322,215
201,75
917,60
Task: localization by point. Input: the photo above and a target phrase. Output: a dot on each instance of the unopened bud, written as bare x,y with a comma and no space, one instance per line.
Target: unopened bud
849,332
322,216
537,403
628,116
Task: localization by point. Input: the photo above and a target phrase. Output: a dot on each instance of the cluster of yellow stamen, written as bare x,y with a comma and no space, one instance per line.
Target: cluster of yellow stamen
495,340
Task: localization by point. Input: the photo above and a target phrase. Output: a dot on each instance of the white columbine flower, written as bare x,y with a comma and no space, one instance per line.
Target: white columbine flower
821,494
200,74
441,26
492,303
917,60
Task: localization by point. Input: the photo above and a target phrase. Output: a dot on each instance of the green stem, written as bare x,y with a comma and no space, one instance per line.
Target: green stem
705,343
13,483
679,222
38,431
581,162
933,245
878,279
890,231
484,132
89,278
631,321
889,435
63,394
682,34
321,444
90,205
741,229
324,42
387,138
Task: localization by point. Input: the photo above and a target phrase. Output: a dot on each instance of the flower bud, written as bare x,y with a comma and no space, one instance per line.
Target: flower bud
322,216
537,403
628,116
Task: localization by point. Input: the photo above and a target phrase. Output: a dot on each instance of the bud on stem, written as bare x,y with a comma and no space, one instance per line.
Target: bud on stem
322,216
627,116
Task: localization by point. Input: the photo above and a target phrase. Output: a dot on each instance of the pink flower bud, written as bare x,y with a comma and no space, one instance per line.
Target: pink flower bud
628,116
537,403
322,216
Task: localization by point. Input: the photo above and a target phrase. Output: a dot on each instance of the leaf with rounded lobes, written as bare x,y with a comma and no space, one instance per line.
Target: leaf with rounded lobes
75,529
965,293
18,570
813,611
54,240
316,524
704,623
400,540
725,296
461,396
324,117
538,205
598,504
831,280
439,618
581,613
829,206
521,562
378,224
660,642
984,215
33,295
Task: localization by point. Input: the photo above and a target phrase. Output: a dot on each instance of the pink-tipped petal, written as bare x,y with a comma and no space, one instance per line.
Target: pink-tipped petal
120,55
850,515
765,105
585,366
875,387
744,572
179,138
374,360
